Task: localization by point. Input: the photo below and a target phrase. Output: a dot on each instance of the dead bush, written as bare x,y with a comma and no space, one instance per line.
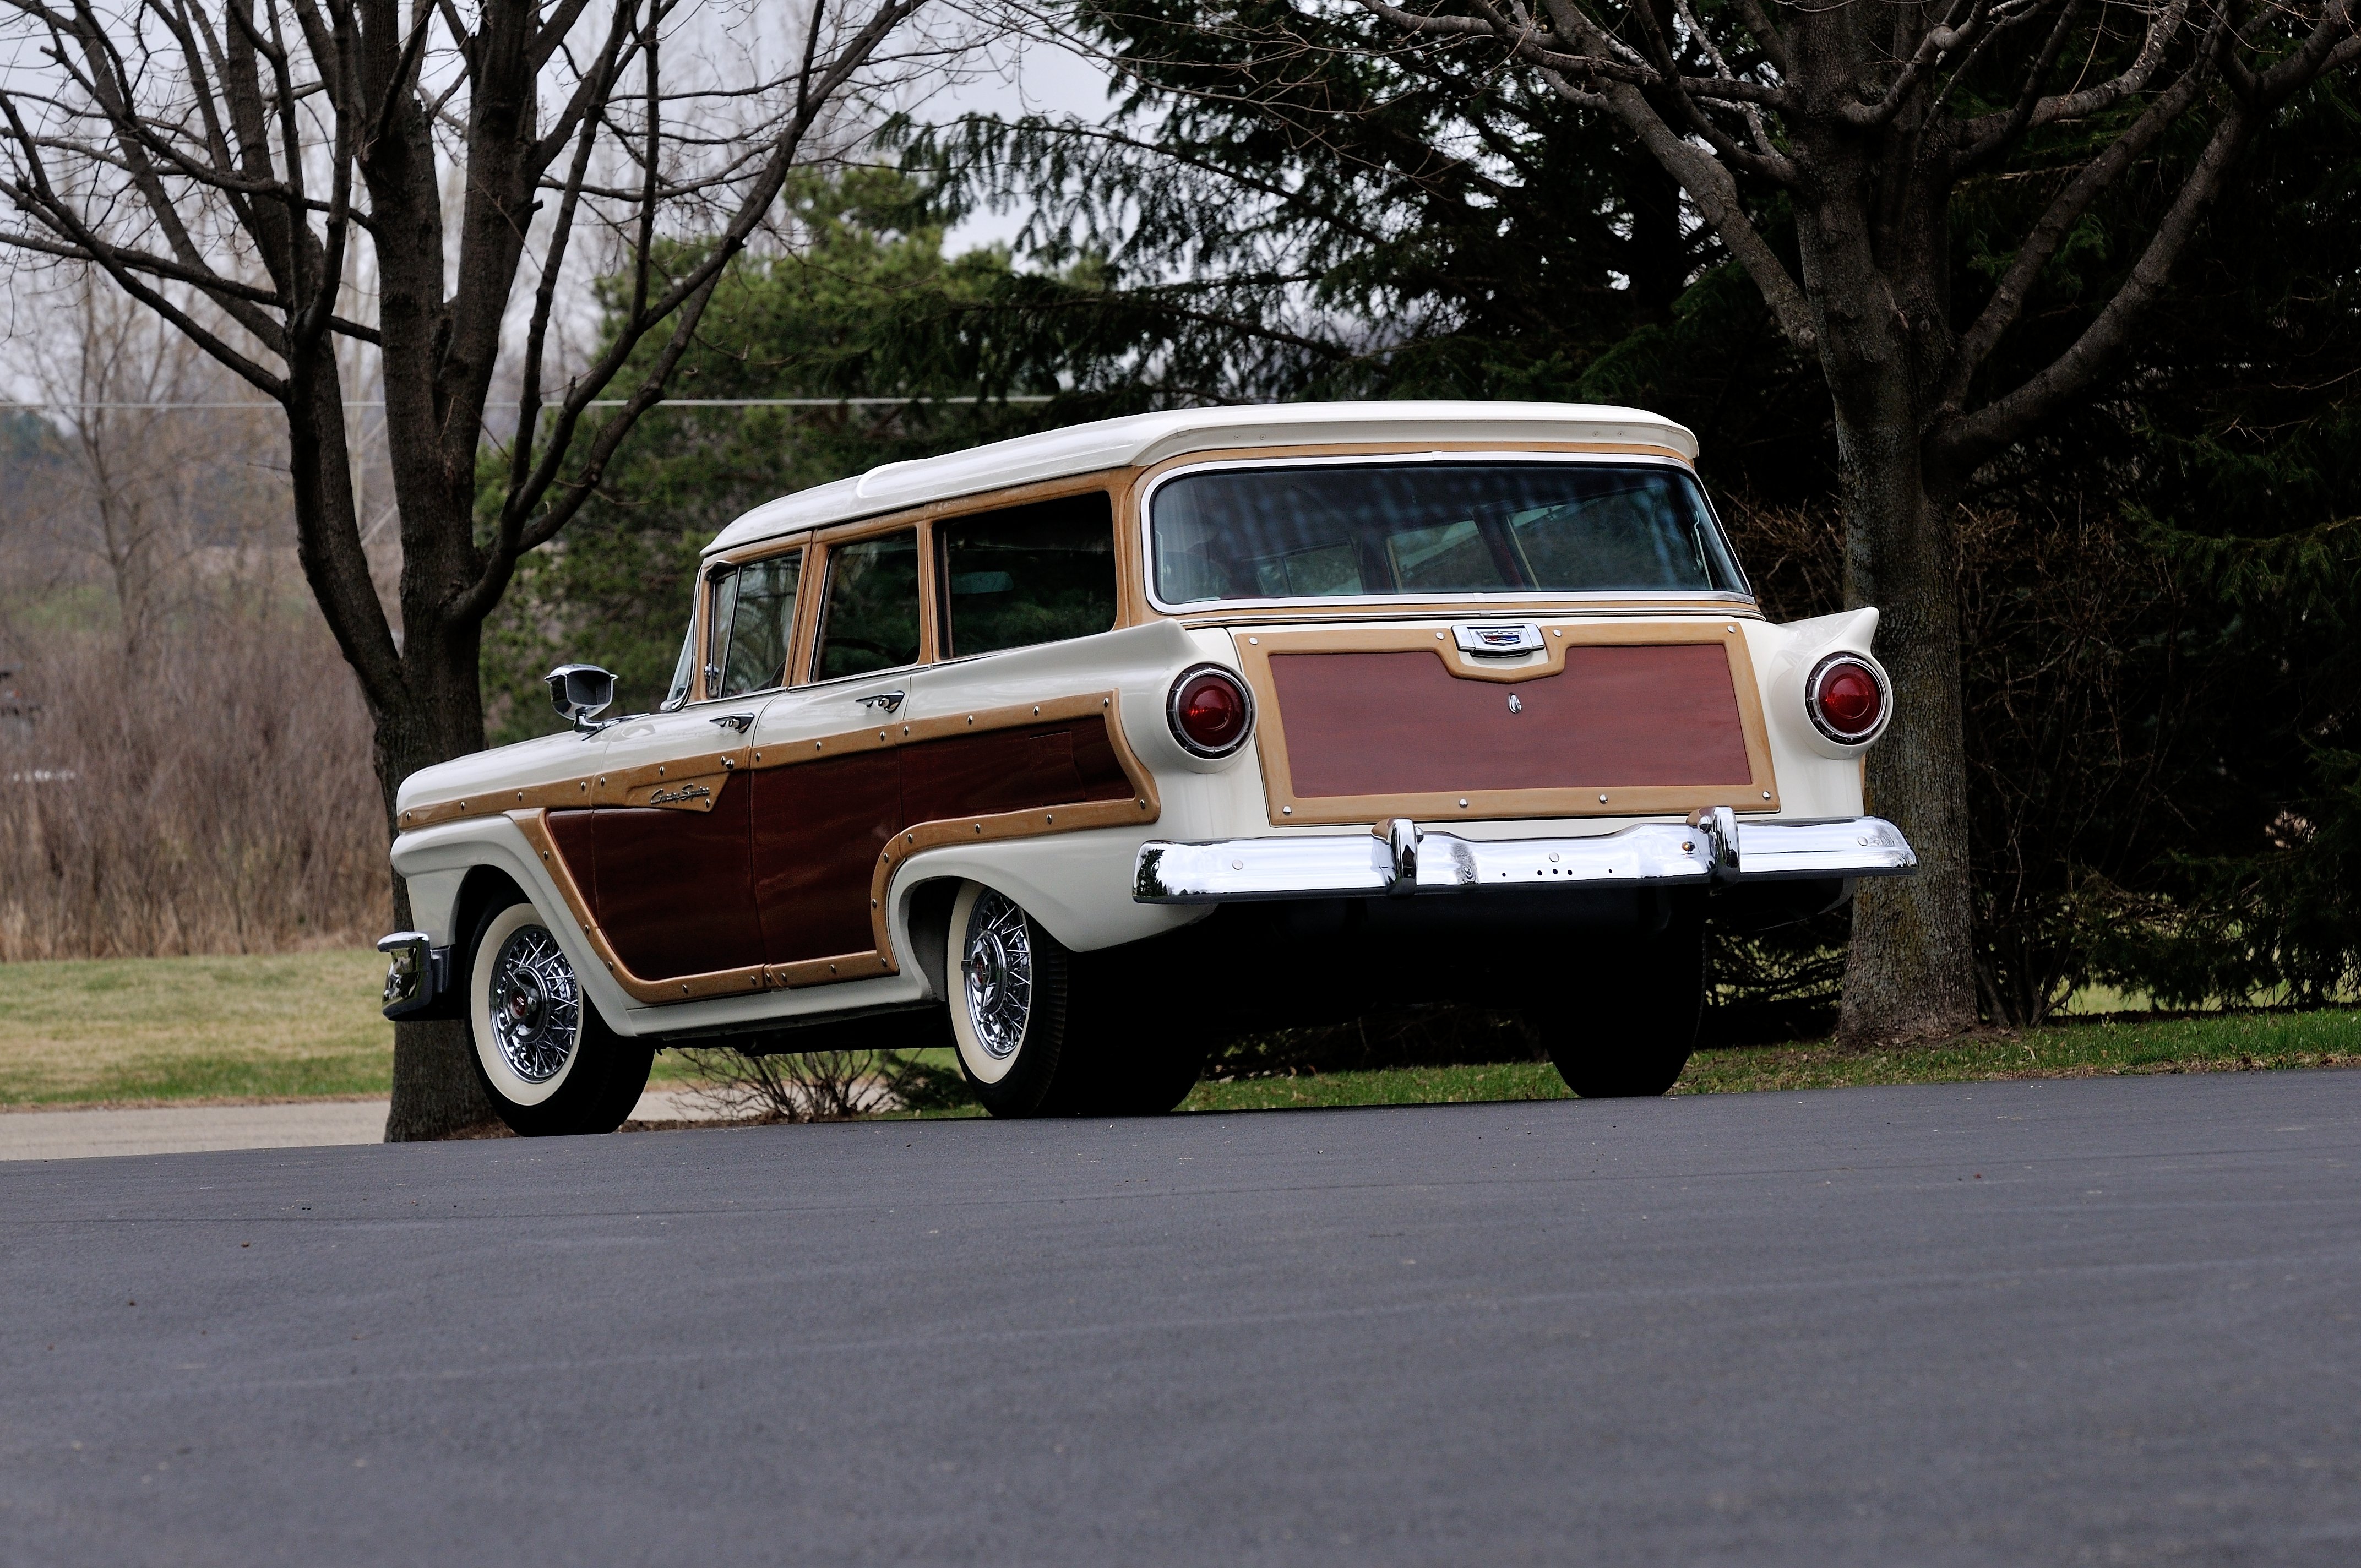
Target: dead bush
212,795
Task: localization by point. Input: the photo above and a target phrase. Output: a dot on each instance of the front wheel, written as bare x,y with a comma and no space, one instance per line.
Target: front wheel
546,1060
1632,1035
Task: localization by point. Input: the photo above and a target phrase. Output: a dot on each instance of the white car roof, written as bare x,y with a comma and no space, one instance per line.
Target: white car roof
1139,440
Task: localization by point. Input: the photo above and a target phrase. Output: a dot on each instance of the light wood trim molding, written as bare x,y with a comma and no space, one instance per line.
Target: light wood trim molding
1760,794
1297,612
673,784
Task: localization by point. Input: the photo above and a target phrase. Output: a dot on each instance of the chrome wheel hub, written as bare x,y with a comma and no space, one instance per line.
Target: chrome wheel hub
996,962
536,1007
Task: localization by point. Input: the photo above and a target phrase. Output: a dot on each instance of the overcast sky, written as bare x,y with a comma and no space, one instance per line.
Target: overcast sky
1012,77
1025,77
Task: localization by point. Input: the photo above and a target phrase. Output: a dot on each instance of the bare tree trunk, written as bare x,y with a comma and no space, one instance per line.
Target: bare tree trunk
309,129
435,1092
1858,125
1910,972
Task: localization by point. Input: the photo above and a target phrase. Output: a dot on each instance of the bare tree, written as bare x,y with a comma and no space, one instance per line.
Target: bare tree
244,152
1863,124
117,382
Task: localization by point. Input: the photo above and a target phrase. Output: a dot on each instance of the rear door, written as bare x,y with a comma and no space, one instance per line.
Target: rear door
826,792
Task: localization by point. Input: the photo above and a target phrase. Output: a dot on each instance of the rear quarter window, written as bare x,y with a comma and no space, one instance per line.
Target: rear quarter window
1040,573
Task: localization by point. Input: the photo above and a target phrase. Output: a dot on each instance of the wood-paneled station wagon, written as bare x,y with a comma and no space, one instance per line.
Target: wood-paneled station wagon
1075,751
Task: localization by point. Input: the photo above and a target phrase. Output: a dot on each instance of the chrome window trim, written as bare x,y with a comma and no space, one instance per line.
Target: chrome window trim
1146,526
711,579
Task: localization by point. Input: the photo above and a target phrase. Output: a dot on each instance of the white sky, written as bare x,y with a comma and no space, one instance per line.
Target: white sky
1024,76
1013,76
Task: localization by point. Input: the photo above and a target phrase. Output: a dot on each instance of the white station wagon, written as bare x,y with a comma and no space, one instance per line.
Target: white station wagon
1076,751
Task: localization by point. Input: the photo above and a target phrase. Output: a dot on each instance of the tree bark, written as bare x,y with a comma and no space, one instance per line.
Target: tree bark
1910,972
435,1093
1874,231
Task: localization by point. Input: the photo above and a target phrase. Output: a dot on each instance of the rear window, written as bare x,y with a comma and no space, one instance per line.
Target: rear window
1031,574
1372,530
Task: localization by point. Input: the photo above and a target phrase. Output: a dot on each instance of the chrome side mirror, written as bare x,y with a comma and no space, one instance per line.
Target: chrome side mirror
580,693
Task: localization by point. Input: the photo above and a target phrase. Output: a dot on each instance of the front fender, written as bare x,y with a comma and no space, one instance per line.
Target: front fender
435,862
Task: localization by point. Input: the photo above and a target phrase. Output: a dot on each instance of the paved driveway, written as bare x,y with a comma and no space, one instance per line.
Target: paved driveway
2115,1321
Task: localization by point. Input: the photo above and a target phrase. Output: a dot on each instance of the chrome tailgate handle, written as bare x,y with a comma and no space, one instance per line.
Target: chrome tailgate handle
1498,642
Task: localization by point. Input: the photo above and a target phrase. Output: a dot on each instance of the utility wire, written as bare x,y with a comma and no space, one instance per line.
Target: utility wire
594,403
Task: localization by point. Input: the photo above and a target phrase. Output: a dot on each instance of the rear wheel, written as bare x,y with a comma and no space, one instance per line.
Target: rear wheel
1043,1031
1007,982
546,1060
1633,1034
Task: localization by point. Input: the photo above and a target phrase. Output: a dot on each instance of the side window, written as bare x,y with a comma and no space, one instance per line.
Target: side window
753,618
871,620
1030,574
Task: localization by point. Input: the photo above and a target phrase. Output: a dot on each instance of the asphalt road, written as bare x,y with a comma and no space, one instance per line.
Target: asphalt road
2101,1321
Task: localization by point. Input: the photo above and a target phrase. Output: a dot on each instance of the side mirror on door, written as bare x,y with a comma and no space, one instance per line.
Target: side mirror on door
580,693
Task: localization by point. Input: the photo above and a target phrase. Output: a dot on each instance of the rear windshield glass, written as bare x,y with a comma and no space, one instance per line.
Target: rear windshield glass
1425,529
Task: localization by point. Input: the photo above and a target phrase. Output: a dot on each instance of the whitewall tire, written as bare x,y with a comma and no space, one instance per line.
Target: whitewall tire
525,1007
1007,983
546,1060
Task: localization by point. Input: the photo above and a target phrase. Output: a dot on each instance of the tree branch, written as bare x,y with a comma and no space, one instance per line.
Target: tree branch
1971,440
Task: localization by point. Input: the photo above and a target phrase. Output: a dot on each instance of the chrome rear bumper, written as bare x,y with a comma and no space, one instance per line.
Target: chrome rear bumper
1399,859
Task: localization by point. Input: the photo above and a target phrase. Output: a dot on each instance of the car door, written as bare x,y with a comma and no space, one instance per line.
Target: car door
670,843
826,792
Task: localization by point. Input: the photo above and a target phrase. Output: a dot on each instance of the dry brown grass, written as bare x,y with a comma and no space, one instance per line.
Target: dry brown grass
213,795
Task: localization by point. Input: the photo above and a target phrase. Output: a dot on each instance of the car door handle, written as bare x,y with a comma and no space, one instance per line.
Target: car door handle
884,702
738,721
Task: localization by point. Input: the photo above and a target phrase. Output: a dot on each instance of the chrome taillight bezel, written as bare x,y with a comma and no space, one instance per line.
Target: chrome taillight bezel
1813,711
1181,683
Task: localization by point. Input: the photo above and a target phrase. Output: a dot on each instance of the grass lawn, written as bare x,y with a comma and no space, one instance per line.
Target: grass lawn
2230,1043
305,1025
127,1031
149,1031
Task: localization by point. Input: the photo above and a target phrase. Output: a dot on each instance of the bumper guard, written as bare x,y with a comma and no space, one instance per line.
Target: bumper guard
417,976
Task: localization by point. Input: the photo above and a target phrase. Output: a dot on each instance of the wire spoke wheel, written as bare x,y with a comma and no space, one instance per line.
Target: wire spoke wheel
536,1010
546,1059
996,971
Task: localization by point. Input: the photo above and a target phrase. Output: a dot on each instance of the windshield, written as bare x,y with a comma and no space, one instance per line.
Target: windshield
1393,528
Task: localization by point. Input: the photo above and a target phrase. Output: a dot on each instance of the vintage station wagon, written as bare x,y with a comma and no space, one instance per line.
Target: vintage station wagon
1077,751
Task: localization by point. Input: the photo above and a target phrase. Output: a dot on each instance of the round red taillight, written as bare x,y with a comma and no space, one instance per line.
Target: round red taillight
1210,710
1846,699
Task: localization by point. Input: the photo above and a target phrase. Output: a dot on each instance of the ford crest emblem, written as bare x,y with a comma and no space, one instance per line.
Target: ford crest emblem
1498,642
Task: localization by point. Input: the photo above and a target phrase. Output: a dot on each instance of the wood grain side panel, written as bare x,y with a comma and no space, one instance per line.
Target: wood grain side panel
674,894
534,824
571,834
1401,724
819,827
1101,758
1010,769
